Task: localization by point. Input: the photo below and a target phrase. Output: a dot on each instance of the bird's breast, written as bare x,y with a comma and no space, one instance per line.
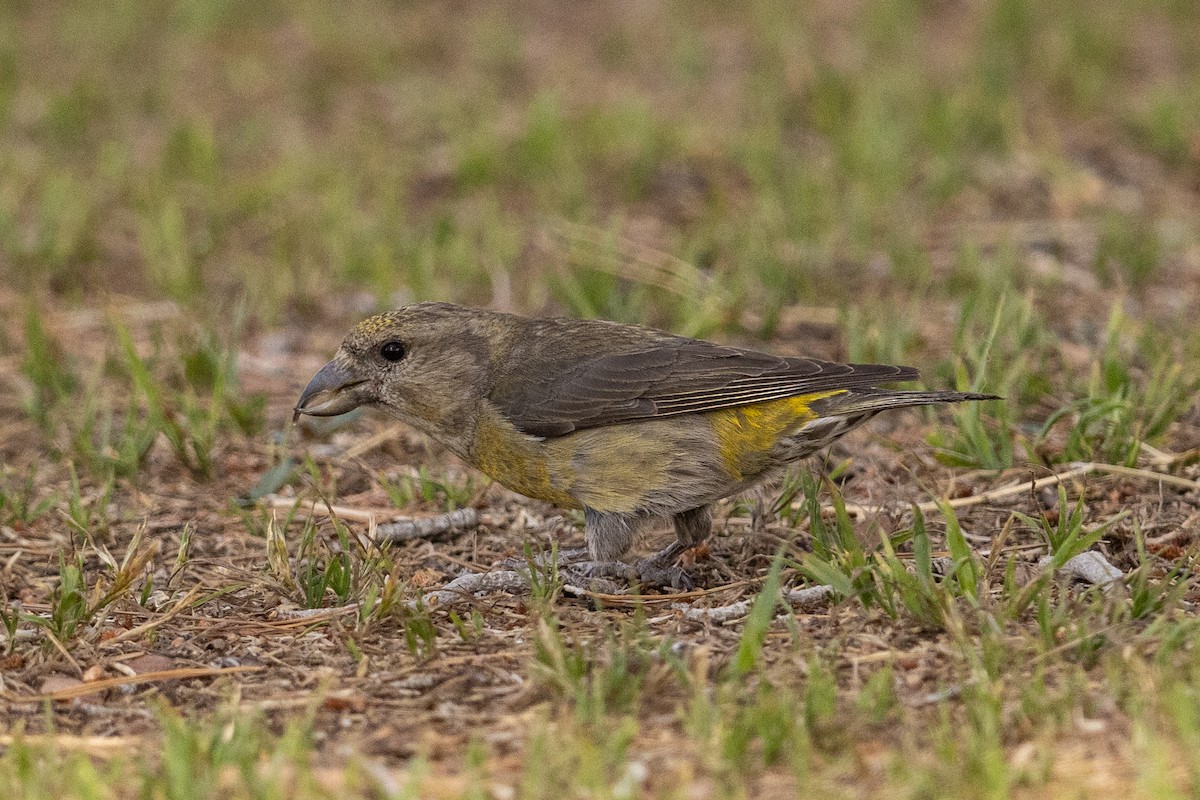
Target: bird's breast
516,460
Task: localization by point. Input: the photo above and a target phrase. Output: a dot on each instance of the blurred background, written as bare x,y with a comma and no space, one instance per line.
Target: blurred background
1001,191
198,198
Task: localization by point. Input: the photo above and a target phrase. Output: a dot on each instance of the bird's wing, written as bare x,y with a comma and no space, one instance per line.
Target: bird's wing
557,391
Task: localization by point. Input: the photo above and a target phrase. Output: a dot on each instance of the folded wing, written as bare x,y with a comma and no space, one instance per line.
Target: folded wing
559,392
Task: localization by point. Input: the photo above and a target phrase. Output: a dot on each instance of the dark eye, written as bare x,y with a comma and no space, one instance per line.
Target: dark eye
392,351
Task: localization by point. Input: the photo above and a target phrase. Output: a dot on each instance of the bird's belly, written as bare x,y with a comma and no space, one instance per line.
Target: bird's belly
657,466
654,467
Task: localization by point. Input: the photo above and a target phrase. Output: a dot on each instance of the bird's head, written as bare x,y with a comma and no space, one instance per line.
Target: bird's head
427,364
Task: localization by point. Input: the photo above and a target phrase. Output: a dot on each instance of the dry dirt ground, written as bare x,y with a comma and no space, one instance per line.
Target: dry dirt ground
437,681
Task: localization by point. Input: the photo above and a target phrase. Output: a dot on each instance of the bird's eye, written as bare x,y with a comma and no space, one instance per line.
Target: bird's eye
392,351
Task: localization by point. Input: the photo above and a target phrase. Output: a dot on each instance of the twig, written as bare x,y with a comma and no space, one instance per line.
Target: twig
596,588
84,689
94,745
466,586
1183,529
506,580
146,627
1147,474
1160,457
950,692
811,596
316,614
306,510
1023,487
65,653
22,635
717,614
1077,470
398,529
1165,459
350,696
634,600
461,519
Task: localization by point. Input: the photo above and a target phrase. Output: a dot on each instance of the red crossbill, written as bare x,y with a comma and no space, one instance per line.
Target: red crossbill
627,423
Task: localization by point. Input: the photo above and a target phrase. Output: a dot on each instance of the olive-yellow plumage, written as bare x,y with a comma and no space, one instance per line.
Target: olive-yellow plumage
747,434
627,423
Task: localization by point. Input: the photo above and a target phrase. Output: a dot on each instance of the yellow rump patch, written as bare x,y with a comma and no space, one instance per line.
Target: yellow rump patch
747,434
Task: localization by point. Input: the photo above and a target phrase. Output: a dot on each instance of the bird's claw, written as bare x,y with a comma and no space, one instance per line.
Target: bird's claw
651,572
574,564
648,572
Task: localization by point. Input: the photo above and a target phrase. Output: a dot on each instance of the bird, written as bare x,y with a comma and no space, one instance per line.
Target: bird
627,423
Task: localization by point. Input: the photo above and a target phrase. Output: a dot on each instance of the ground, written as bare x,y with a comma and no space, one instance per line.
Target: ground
200,198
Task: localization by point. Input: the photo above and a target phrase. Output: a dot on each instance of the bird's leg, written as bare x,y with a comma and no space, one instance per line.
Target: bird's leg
759,513
573,555
692,527
610,535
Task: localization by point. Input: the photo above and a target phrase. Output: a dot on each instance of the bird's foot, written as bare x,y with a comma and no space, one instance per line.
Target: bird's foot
662,568
576,566
651,572
654,572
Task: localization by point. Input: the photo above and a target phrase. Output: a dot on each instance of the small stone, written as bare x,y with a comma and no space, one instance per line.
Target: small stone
1090,567
57,683
151,662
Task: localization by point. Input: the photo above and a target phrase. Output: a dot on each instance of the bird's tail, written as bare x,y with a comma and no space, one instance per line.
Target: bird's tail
871,401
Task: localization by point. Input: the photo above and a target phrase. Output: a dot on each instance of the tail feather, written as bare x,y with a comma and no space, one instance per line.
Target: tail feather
874,400
842,413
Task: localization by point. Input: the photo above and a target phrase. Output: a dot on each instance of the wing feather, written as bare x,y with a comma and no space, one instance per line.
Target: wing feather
646,374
